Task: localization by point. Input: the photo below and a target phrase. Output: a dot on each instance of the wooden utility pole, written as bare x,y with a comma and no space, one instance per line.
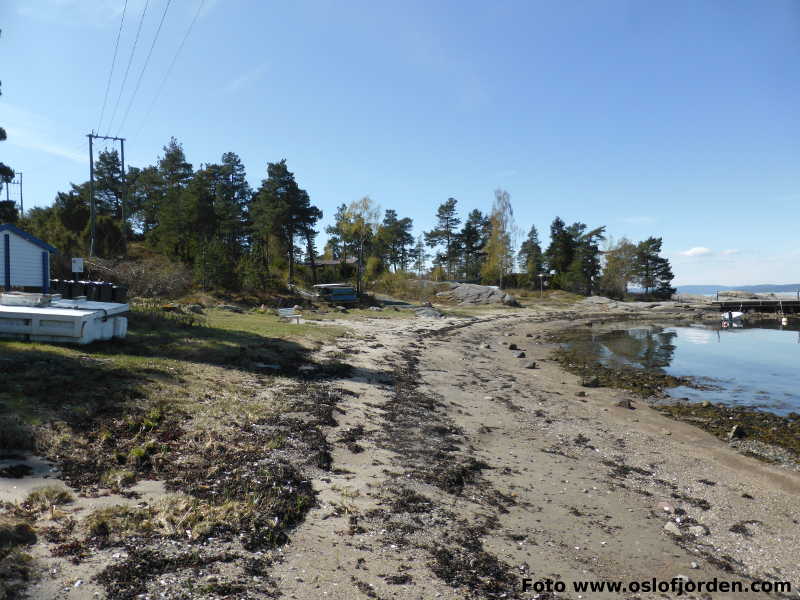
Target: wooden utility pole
91,194
124,198
121,141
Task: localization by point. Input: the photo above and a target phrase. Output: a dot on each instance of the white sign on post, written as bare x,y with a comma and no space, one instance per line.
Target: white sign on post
77,265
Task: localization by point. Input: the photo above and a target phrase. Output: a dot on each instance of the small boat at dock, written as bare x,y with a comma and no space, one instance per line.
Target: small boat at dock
732,319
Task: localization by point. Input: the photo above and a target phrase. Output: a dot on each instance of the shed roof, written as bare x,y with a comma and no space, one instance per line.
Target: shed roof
27,236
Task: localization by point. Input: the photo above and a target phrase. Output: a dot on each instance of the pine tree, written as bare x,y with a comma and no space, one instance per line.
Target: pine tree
530,255
471,240
282,210
445,235
561,251
574,256
108,184
394,239
653,271
419,256
170,235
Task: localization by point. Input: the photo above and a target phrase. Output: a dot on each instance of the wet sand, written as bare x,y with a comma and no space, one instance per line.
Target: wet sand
572,486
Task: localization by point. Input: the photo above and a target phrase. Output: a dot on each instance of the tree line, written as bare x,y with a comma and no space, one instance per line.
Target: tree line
234,237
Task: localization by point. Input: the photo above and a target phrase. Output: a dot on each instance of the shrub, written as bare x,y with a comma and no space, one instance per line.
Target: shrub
15,435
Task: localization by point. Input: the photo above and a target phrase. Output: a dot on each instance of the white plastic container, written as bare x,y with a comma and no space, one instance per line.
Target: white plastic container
120,327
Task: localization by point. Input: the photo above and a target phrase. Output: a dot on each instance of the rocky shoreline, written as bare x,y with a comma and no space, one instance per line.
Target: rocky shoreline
761,434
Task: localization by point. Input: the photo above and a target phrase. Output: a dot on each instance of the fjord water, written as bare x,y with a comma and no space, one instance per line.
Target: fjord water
757,366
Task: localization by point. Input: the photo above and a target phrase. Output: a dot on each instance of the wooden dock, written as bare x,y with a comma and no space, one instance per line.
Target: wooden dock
777,305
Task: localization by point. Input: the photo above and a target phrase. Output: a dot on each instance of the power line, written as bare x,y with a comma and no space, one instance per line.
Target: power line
144,66
130,60
113,63
171,65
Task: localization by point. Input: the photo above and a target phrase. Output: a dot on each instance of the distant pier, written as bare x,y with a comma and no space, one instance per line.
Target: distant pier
777,305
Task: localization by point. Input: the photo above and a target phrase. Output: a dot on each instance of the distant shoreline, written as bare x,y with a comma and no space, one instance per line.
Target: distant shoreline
705,290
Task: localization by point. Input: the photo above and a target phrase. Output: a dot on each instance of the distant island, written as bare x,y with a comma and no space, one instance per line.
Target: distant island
764,288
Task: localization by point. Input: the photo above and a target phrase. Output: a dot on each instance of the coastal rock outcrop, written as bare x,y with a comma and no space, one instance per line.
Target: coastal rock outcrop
471,293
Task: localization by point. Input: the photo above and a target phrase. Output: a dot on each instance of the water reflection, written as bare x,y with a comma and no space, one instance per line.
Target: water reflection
648,348
753,366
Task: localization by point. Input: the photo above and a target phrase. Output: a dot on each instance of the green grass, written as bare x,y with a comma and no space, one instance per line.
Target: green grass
360,314
109,399
269,325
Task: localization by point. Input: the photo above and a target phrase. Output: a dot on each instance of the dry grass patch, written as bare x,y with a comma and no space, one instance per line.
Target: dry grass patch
118,522
46,498
15,563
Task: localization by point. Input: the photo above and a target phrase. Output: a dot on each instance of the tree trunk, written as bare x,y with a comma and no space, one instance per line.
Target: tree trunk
359,265
291,258
266,255
312,259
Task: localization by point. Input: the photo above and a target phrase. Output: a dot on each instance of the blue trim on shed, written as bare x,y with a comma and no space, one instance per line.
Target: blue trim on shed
34,240
45,274
7,260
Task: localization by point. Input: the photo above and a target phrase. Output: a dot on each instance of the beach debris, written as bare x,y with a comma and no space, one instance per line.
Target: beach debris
737,431
698,530
672,527
592,381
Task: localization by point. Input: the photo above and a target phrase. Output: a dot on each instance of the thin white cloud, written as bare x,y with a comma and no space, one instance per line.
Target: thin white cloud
638,220
31,131
696,251
730,252
99,13
245,79
32,142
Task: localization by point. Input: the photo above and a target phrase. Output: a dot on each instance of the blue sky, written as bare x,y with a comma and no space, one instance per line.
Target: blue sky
678,119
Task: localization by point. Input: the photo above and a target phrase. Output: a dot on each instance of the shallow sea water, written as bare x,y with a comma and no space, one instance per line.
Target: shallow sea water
756,366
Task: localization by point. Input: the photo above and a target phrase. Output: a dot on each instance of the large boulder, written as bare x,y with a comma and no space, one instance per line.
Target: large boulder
426,312
471,293
597,300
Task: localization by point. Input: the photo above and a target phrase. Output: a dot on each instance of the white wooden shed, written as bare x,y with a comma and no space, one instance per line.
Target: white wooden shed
24,259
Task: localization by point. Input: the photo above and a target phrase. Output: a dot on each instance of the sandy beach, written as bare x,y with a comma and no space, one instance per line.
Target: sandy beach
466,463
562,483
